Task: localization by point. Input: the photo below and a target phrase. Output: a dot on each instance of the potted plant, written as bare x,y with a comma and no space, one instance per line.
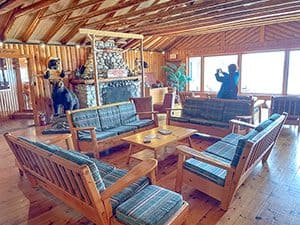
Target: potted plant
176,76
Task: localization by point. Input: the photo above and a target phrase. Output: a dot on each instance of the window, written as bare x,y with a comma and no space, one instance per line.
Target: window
262,72
195,73
294,73
211,64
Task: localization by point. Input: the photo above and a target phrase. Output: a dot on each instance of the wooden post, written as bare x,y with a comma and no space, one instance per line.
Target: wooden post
95,70
143,70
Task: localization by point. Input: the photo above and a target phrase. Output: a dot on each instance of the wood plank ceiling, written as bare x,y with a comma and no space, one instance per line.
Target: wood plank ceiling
163,22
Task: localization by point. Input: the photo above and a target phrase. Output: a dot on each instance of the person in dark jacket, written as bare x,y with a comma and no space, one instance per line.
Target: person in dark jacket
229,87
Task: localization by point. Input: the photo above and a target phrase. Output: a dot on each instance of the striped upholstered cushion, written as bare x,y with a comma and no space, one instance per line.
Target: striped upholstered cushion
232,138
222,149
109,117
141,123
75,157
100,135
236,108
87,118
206,122
127,113
126,193
123,129
103,167
212,173
151,206
240,146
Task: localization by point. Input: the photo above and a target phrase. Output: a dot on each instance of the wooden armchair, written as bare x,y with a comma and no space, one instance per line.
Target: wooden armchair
142,105
73,181
218,176
169,101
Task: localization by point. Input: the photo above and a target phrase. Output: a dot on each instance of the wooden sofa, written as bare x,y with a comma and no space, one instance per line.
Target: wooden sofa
104,194
96,129
220,169
211,115
289,104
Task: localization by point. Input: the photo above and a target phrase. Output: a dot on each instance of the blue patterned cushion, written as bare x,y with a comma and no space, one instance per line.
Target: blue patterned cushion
274,116
184,119
109,117
126,193
240,146
213,173
263,125
232,138
103,167
206,122
212,109
100,135
191,109
127,113
216,157
80,159
141,123
87,118
123,129
236,108
222,149
151,206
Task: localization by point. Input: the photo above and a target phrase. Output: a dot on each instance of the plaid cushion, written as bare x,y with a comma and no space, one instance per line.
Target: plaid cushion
206,122
212,173
184,119
100,135
126,193
141,123
240,146
212,109
109,117
127,113
86,118
222,149
263,125
103,167
153,205
191,108
236,108
75,157
288,104
123,129
232,138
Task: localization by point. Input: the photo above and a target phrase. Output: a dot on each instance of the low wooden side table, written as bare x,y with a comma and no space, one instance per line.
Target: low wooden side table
149,150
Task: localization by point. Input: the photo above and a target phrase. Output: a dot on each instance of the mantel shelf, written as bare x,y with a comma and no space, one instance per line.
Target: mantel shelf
103,80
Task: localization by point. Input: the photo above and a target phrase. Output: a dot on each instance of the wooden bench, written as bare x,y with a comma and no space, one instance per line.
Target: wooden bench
75,184
219,170
99,128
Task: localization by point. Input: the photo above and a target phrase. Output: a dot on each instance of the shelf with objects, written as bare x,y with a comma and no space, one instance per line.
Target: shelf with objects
106,78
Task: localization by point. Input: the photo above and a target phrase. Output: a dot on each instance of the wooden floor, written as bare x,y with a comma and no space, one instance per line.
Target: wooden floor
271,195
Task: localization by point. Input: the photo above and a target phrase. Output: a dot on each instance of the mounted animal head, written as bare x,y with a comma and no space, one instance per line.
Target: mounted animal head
54,70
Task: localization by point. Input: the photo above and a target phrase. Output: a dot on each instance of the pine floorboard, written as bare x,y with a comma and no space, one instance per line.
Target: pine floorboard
271,194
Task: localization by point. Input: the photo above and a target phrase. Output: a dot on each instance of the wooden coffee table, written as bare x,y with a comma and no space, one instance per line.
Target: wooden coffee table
149,150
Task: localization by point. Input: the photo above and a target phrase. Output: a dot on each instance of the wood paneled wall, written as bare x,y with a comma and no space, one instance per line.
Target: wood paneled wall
71,57
268,37
155,62
8,98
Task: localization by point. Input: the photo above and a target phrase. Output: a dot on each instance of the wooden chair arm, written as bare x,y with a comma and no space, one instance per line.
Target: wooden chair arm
145,113
244,117
142,169
190,152
168,111
84,128
241,123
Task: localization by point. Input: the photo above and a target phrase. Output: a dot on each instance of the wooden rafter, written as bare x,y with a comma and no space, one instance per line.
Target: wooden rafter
214,18
72,8
139,12
9,5
75,28
34,24
59,23
8,21
113,8
35,7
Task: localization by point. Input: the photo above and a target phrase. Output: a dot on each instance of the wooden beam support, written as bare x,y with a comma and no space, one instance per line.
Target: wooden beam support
35,7
110,34
9,5
6,25
113,8
34,24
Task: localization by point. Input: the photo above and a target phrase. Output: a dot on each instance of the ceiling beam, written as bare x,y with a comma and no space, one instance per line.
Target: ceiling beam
58,24
139,12
113,8
9,5
35,7
8,20
37,19
72,8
